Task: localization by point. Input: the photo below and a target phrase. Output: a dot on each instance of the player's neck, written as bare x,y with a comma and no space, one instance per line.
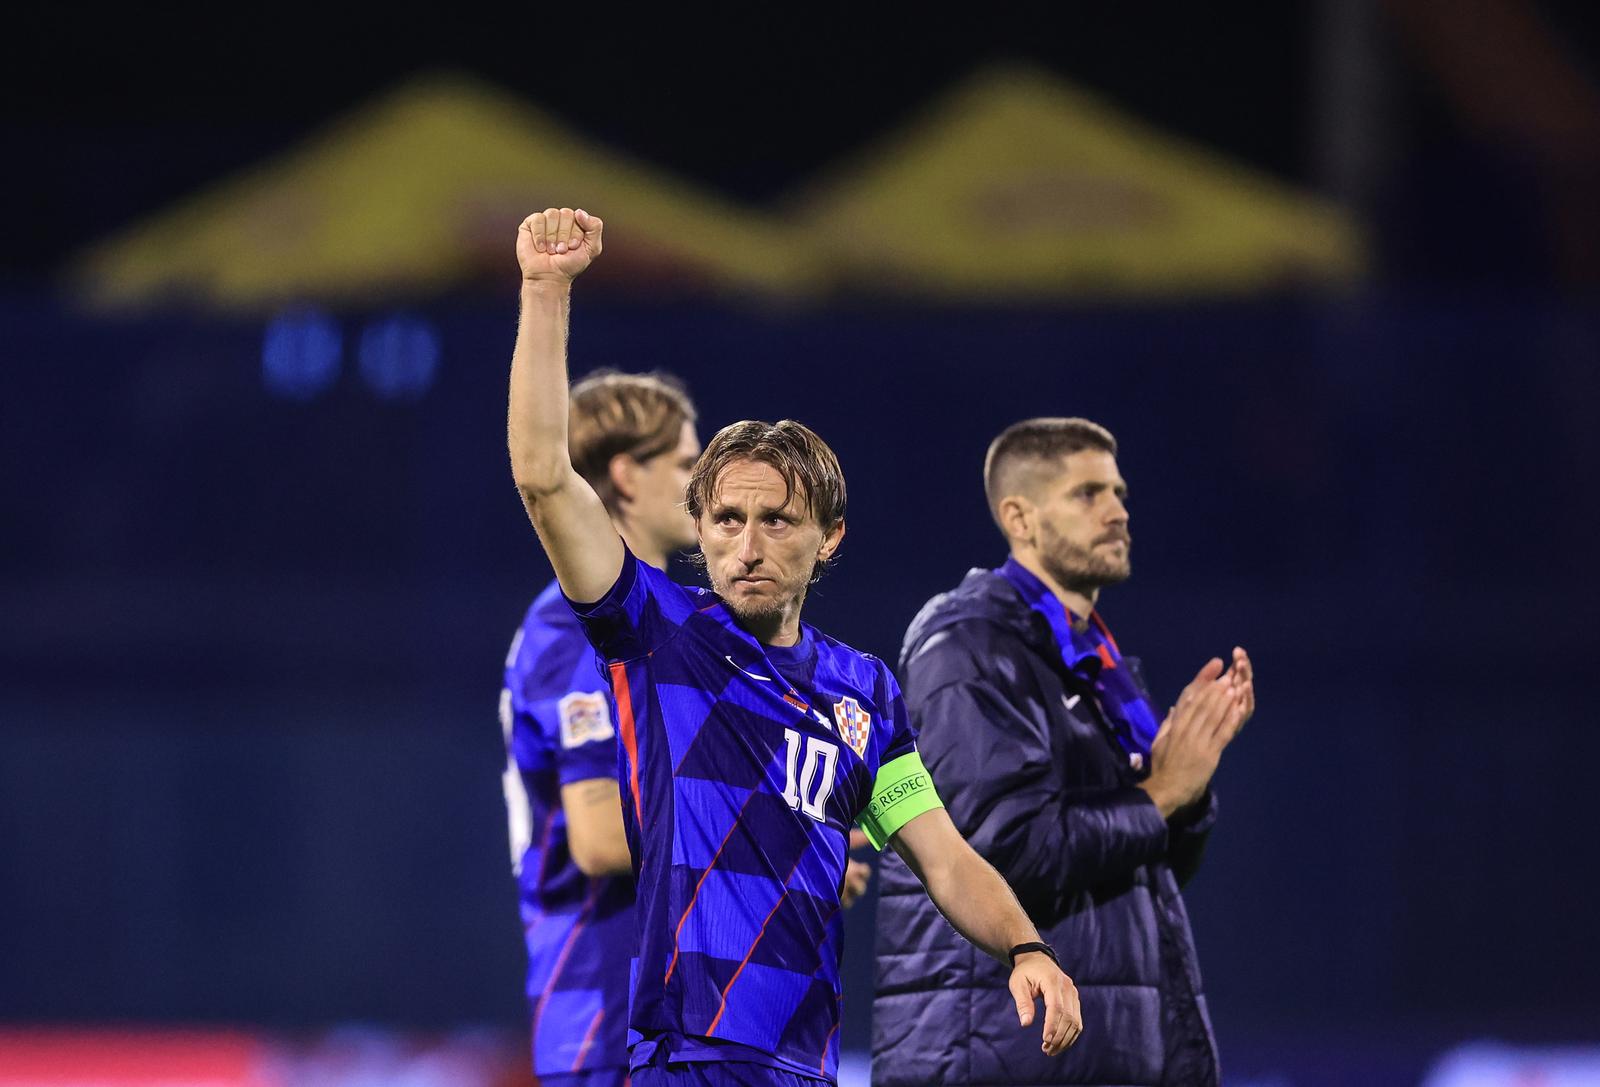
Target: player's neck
782,629
643,549
1080,602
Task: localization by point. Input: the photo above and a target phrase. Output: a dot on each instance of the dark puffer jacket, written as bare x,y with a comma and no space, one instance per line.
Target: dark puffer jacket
1039,786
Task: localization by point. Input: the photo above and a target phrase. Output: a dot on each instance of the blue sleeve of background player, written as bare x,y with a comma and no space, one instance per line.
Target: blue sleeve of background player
639,614
582,723
558,701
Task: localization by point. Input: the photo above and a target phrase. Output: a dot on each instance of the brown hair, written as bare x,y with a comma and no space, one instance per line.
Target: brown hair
611,413
1033,441
808,467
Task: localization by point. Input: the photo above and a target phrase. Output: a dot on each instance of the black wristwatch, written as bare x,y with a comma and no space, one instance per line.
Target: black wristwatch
1023,949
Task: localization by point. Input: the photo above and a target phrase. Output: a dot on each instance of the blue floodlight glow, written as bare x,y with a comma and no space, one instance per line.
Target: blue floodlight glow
399,357
300,354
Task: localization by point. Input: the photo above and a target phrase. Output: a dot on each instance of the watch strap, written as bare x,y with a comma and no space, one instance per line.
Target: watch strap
1034,945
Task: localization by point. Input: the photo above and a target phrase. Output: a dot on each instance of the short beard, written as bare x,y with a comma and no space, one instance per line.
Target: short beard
1078,570
755,613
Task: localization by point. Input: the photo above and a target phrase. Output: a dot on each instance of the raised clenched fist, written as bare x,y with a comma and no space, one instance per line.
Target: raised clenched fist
556,244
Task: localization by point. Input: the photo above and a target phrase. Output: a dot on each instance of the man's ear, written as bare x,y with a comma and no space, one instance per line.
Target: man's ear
831,541
624,471
1017,516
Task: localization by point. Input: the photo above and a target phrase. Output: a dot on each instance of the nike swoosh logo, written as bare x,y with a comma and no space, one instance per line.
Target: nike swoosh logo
1070,702
752,675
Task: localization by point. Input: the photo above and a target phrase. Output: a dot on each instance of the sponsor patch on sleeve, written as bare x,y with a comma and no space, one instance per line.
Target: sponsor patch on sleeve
585,718
903,790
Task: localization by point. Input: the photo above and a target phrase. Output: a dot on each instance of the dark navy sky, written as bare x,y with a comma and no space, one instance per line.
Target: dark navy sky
126,111
112,112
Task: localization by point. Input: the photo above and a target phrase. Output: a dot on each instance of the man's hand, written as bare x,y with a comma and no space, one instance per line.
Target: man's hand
857,874
1189,743
556,244
979,905
1244,685
1035,976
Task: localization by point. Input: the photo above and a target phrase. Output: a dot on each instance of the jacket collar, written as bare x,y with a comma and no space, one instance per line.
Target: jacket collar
1058,619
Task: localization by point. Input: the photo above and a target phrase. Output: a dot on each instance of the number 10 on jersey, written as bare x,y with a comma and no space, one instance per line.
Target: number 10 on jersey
808,790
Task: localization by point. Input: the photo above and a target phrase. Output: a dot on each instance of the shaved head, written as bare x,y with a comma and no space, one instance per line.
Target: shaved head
1028,455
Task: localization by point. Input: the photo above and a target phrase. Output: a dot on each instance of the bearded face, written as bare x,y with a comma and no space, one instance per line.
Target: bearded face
1086,569
1082,536
761,544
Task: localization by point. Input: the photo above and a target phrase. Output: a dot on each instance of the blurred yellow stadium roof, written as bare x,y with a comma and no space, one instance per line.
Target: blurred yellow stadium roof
1019,186
1015,186
420,193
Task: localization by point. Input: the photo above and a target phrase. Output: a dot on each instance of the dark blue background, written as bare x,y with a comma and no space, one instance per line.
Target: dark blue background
250,648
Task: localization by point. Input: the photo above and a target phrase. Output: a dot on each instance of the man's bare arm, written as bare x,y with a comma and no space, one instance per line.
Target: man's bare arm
553,247
978,903
594,827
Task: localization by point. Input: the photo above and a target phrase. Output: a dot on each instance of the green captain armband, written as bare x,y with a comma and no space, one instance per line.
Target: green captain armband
902,791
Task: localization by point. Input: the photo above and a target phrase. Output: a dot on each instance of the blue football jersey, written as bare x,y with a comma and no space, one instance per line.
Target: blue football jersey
744,767
559,727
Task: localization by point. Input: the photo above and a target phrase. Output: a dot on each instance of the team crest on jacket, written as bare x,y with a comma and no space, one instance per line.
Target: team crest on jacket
855,724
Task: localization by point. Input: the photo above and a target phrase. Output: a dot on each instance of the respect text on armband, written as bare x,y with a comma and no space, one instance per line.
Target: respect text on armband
903,789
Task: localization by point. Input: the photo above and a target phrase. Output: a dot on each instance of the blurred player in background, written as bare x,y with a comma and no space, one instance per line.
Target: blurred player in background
751,741
1048,748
